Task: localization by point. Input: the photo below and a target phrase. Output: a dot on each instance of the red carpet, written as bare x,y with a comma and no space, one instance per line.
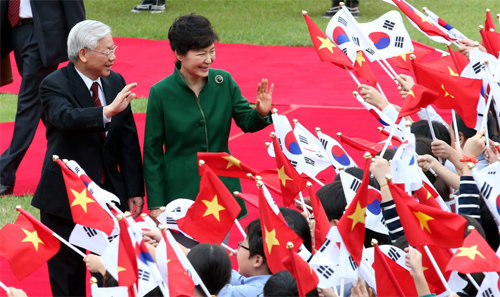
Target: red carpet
317,94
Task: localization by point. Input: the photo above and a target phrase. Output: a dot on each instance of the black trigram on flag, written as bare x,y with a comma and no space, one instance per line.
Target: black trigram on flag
294,163
478,67
399,41
486,190
488,293
171,221
77,170
177,209
303,139
309,161
110,238
90,232
325,245
393,254
355,185
344,50
324,142
353,263
325,271
370,51
355,40
389,25
342,21
144,275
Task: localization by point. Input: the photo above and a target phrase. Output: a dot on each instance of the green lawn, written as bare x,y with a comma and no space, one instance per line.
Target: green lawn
262,22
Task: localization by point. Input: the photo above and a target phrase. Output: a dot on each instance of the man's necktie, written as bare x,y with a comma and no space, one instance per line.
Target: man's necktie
13,12
97,102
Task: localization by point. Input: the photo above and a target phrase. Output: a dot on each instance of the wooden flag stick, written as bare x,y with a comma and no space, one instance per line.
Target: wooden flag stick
436,267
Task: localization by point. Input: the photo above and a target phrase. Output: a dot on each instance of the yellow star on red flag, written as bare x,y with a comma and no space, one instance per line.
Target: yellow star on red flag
81,199
358,216
32,237
470,252
446,94
271,239
213,208
452,73
423,219
360,59
232,161
283,176
326,43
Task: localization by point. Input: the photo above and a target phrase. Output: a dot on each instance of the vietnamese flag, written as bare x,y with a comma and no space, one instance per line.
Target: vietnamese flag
302,272
290,181
275,232
427,195
475,255
391,278
322,224
127,258
351,225
455,92
418,97
212,214
363,70
223,164
326,49
426,225
85,209
27,244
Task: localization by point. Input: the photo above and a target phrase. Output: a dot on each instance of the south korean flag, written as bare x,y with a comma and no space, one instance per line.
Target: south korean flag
487,183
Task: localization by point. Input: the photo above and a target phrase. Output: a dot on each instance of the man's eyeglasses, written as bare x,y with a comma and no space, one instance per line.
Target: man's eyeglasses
106,53
240,245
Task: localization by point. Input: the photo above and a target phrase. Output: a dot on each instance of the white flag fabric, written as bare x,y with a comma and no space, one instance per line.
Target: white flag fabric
344,31
487,182
373,220
108,291
489,286
92,239
109,257
146,279
404,166
311,147
335,152
453,32
388,34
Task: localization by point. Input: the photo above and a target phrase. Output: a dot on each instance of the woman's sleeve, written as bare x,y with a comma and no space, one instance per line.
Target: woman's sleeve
468,198
154,137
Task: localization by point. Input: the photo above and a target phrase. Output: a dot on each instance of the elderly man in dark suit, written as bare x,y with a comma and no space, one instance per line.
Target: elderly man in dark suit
89,120
36,31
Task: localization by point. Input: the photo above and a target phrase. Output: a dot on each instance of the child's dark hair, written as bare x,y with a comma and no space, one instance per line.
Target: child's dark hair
298,223
255,241
189,32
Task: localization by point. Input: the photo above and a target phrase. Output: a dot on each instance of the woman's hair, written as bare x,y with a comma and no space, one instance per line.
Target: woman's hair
85,34
299,224
421,128
212,264
191,32
282,284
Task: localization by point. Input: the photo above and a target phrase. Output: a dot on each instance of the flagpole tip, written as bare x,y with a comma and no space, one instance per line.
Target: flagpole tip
424,9
408,124
272,134
201,163
318,129
380,129
162,227
236,193
388,177
476,44
488,10
55,158
448,44
18,207
93,280
259,184
119,217
309,184
127,214
267,143
480,27
341,4
249,175
289,245
374,242
355,93
367,155
470,228
486,62
274,111
304,12
413,57
339,134
162,208
295,121
258,178
471,165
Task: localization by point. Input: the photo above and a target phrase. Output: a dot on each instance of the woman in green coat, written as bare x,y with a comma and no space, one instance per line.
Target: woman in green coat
190,111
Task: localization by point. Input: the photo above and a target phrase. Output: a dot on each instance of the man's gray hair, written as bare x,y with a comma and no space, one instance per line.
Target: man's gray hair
85,34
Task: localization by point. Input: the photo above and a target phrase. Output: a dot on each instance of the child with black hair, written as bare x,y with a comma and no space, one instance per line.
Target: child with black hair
282,284
253,271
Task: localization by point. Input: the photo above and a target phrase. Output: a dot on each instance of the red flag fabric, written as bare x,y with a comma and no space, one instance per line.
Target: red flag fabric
362,69
359,145
302,272
493,40
180,284
276,233
425,225
475,255
391,278
326,49
85,209
27,244
427,195
442,256
351,225
212,214
322,224
489,23
416,17
455,92
418,97
223,164
128,270
422,52
291,182
460,61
